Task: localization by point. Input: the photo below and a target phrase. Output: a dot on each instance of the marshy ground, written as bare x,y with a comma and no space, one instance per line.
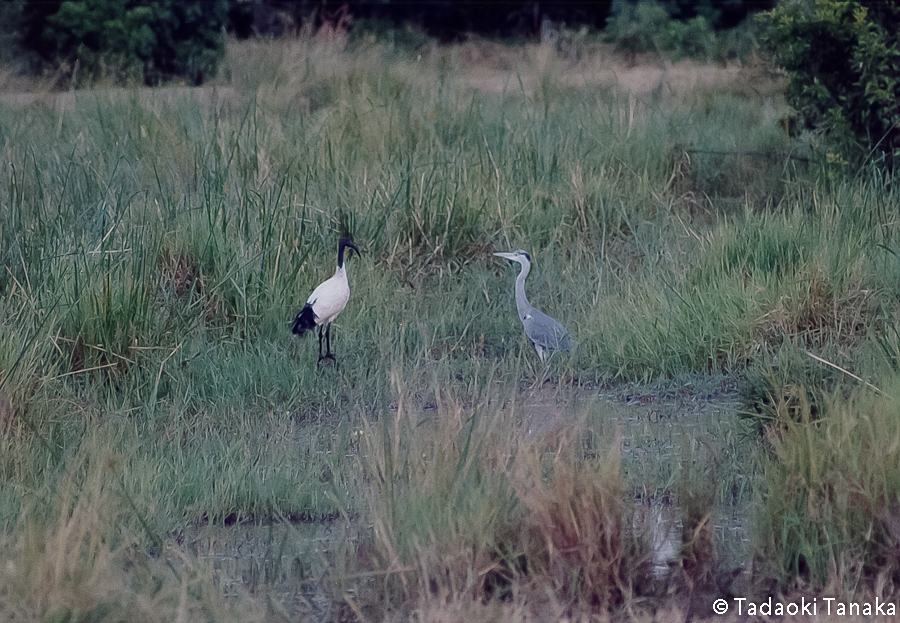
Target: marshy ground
658,431
169,452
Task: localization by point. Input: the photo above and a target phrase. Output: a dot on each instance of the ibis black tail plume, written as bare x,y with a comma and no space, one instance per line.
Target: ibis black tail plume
305,320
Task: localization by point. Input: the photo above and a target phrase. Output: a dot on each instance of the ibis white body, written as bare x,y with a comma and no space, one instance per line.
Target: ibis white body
330,297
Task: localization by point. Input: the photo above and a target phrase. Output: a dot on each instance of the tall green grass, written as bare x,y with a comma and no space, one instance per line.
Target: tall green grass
830,514
83,563
464,510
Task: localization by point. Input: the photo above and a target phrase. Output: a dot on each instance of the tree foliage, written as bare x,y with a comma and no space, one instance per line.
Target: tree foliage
649,27
10,28
454,19
843,58
444,19
127,40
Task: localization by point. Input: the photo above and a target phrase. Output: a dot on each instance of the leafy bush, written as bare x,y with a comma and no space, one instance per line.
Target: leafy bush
842,56
693,38
636,27
656,28
123,40
10,24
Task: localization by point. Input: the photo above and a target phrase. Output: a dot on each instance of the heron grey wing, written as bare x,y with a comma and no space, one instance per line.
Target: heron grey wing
546,332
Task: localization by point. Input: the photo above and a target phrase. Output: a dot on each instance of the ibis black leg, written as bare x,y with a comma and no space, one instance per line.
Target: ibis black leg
326,330
328,354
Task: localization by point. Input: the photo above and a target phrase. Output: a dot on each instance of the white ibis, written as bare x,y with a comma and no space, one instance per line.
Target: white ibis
326,302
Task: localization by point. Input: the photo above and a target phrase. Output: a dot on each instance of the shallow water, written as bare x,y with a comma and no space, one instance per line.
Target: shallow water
662,436
282,562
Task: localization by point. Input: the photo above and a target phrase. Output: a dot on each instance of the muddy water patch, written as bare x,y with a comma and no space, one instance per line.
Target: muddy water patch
280,562
670,442
684,456
687,461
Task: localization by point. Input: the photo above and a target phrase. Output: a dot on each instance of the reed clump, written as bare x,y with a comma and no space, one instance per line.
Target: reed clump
81,561
829,503
574,520
462,511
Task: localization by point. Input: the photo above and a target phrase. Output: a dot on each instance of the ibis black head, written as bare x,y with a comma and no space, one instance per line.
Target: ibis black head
345,242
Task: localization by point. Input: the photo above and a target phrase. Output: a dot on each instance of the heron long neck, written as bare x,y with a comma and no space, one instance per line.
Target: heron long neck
521,302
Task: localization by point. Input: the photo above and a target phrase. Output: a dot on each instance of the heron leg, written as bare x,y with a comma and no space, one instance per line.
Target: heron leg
320,343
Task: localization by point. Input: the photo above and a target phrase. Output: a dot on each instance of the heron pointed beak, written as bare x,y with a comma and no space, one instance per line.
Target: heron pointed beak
507,256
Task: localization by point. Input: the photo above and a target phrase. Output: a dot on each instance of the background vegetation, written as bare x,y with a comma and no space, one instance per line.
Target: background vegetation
842,58
841,55
155,246
86,42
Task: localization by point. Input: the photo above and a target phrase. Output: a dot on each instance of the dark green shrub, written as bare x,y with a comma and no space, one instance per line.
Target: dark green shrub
128,41
10,28
635,28
843,58
661,28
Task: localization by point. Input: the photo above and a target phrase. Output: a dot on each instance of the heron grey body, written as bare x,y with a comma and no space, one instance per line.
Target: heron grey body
546,334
